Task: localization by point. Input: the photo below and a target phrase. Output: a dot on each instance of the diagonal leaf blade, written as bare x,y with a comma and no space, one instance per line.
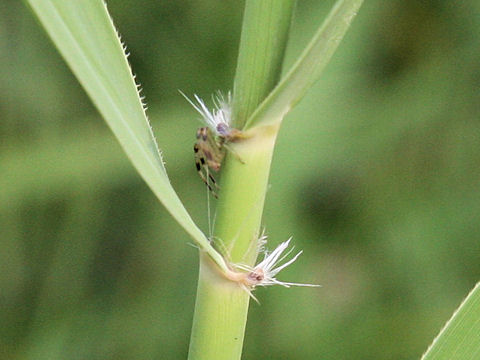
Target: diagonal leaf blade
460,338
309,66
84,34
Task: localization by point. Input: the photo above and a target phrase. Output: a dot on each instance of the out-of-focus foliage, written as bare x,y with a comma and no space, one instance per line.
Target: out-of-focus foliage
376,176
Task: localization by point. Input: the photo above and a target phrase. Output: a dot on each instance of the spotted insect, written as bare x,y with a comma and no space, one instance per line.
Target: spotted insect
212,140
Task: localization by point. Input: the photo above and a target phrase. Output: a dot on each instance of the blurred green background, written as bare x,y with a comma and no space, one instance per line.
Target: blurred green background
376,176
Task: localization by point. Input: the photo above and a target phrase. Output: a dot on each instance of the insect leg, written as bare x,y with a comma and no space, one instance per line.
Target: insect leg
200,165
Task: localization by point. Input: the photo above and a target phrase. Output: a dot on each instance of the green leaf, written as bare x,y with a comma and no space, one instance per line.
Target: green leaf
308,67
84,34
460,338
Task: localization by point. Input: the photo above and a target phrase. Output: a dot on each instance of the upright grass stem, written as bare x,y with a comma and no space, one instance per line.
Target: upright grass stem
265,30
221,306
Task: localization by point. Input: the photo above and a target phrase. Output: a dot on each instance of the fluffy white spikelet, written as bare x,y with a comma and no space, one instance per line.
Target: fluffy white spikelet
265,272
220,118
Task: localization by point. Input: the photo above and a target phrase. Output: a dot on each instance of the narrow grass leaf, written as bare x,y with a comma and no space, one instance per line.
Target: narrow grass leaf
308,68
460,338
84,34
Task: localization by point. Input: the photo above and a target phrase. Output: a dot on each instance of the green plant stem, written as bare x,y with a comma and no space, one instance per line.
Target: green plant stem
222,305
244,185
220,316
265,30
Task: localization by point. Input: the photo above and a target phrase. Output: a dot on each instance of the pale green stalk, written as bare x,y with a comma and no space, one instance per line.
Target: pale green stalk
221,307
261,53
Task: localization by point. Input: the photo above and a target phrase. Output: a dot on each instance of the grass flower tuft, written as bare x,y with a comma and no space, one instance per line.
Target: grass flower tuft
218,119
265,272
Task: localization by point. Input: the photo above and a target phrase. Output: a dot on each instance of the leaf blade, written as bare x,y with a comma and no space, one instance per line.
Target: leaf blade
84,34
460,337
309,66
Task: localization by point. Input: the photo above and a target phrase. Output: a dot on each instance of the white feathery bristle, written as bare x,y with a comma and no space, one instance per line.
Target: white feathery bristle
263,274
221,114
